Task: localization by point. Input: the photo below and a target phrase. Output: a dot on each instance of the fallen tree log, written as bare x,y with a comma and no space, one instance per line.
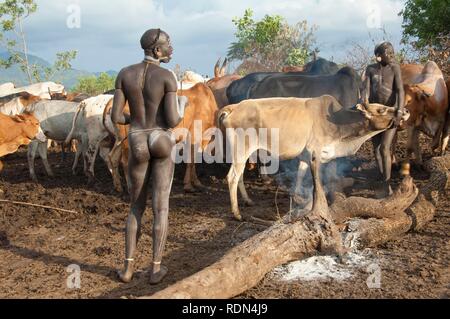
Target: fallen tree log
245,265
438,167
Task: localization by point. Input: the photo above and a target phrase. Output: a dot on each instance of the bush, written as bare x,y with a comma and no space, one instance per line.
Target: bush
93,85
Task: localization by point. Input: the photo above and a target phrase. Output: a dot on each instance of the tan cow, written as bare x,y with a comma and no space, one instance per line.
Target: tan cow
202,107
305,128
16,131
426,98
221,82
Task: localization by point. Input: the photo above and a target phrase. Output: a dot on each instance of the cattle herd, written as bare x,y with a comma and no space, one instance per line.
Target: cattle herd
315,108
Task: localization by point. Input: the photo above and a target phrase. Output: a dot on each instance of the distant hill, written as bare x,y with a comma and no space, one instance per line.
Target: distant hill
69,78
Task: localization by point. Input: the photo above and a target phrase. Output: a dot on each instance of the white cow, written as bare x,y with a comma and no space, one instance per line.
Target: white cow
190,79
39,89
55,118
89,127
5,88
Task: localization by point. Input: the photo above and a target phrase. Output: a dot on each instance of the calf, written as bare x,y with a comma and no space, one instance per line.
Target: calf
327,130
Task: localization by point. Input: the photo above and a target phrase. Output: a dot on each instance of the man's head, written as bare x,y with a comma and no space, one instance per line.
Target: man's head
385,53
156,43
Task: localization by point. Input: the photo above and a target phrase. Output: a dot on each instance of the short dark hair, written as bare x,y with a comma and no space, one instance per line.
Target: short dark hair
150,38
385,47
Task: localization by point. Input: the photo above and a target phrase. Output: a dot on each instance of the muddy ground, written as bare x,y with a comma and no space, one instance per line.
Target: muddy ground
37,245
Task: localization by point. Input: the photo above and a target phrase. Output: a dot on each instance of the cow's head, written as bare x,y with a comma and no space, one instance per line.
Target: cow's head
421,106
30,127
378,116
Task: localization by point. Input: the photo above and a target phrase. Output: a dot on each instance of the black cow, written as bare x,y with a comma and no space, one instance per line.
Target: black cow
239,90
344,86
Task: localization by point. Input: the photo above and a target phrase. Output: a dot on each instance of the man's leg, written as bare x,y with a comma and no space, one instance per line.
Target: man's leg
376,142
162,177
138,174
386,155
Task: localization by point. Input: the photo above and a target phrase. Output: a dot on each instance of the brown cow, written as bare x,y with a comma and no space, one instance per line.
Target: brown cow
69,97
202,107
426,98
16,131
220,83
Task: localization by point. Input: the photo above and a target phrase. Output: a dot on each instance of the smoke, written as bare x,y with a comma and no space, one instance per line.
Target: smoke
333,176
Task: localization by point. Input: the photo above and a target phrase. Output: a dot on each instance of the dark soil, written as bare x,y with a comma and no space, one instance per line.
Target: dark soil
37,244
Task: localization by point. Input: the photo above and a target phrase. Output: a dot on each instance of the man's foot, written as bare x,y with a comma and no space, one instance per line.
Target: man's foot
157,277
125,276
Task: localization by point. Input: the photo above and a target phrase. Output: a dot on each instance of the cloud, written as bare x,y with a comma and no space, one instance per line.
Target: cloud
201,30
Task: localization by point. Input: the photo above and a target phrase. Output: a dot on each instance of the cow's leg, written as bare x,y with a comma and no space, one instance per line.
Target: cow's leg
31,155
413,145
91,155
234,179
300,194
188,188
195,179
76,160
43,151
114,158
104,151
244,193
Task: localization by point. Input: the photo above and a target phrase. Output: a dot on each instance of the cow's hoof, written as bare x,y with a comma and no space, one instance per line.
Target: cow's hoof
238,217
190,190
249,203
125,276
156,278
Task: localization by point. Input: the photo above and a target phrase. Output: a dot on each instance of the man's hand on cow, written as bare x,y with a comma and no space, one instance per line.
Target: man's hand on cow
398,117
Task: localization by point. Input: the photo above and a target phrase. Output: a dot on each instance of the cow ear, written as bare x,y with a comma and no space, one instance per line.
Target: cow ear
363,109
19,118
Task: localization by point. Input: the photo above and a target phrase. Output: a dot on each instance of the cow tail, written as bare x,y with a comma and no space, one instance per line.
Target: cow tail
221,116
69,137
106,114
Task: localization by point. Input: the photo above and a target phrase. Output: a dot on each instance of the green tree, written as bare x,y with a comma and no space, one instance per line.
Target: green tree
13,39
426,21
426,28
271,42
93,85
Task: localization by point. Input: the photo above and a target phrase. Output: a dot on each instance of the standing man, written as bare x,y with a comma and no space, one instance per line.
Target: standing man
384,86
151,92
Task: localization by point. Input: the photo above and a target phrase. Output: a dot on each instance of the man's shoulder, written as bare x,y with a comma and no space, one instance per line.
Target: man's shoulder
372,67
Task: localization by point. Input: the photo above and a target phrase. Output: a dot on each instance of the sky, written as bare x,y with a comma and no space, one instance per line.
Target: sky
106,33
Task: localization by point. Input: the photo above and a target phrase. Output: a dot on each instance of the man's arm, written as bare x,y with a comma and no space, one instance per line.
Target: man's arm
398,87
117,114
365,94
173,105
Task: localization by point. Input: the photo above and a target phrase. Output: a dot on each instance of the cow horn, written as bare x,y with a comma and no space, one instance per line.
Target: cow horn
217,68
223,70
